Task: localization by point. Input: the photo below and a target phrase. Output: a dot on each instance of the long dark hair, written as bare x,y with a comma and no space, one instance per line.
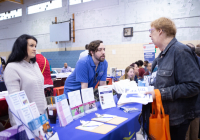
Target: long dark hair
19,50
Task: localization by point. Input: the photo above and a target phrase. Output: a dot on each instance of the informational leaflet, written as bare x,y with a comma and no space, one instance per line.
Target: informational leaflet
26,117
14,104
34,110
147,80
89,125
106,97
63,110
76,104
23,98
136,95
104,118
88,100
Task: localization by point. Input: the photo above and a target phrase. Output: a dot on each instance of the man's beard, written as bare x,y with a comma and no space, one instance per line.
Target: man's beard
100,59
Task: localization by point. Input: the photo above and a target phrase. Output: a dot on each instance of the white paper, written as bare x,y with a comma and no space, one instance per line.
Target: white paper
106,97
23,98
15,100
26,117
88,100
104,118
63,110
34,110
136,95
3,93
76,104
74,98
51,112
90,125
87,95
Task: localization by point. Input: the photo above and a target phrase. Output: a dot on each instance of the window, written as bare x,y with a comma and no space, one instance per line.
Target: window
73,2
11,14
44,6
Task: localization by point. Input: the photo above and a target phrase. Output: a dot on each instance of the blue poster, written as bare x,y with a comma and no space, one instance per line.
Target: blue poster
149,52
150,56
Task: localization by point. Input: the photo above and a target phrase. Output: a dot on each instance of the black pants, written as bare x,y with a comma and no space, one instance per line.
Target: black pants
178,132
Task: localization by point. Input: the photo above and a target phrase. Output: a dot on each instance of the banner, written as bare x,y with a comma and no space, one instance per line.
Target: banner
149,52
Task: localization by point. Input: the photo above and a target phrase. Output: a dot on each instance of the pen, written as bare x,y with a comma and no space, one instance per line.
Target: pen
91,126
105,117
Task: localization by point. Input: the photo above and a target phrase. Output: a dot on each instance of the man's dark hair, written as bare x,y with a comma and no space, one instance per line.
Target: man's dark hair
198,45
146,61
140,62
93,46
197,51
86,46
137,63
191,46
19,50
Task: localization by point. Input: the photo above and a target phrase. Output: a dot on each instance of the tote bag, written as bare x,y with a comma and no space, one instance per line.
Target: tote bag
158,121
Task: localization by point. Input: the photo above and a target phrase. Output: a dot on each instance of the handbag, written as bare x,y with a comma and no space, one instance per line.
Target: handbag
158,121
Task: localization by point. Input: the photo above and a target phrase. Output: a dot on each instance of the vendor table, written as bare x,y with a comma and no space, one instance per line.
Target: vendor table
2,86
126,130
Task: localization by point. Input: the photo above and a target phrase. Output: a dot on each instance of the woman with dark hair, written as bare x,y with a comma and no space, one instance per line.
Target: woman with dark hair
136,72
23,73
141,69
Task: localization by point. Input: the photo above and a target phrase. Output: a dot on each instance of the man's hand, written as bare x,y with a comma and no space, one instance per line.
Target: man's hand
84,85
152,93
102,83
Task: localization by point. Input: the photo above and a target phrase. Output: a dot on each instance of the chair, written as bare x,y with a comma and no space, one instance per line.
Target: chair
59,90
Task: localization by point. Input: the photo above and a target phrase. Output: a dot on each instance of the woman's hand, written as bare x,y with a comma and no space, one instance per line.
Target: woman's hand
152,93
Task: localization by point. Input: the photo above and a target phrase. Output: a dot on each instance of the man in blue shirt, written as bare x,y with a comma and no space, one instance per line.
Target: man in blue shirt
66,68
89,70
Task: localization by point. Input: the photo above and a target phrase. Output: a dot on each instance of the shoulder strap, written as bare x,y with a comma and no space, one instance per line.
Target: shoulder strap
44,65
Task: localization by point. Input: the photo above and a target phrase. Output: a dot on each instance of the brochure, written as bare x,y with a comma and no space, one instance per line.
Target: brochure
106,97
63,110
88,100
76,104
136,95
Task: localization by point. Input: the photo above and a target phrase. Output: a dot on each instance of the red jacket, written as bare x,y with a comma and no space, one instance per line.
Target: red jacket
40,59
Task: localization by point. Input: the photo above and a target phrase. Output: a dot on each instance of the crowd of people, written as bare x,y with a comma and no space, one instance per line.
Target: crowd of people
176,67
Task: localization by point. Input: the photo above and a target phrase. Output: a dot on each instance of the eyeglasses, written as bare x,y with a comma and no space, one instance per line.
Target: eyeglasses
95,78
150,30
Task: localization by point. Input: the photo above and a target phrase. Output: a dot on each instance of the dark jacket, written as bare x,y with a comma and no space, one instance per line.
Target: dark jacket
178,81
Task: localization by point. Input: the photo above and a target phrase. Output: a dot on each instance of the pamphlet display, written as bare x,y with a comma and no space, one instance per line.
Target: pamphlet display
14,104
36,125
76,104
106,97
63,110
88,100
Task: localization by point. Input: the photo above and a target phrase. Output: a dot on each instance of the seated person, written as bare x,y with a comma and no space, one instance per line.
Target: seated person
148,72
129,74
141,69
89,70
145,65
136,72
66,68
